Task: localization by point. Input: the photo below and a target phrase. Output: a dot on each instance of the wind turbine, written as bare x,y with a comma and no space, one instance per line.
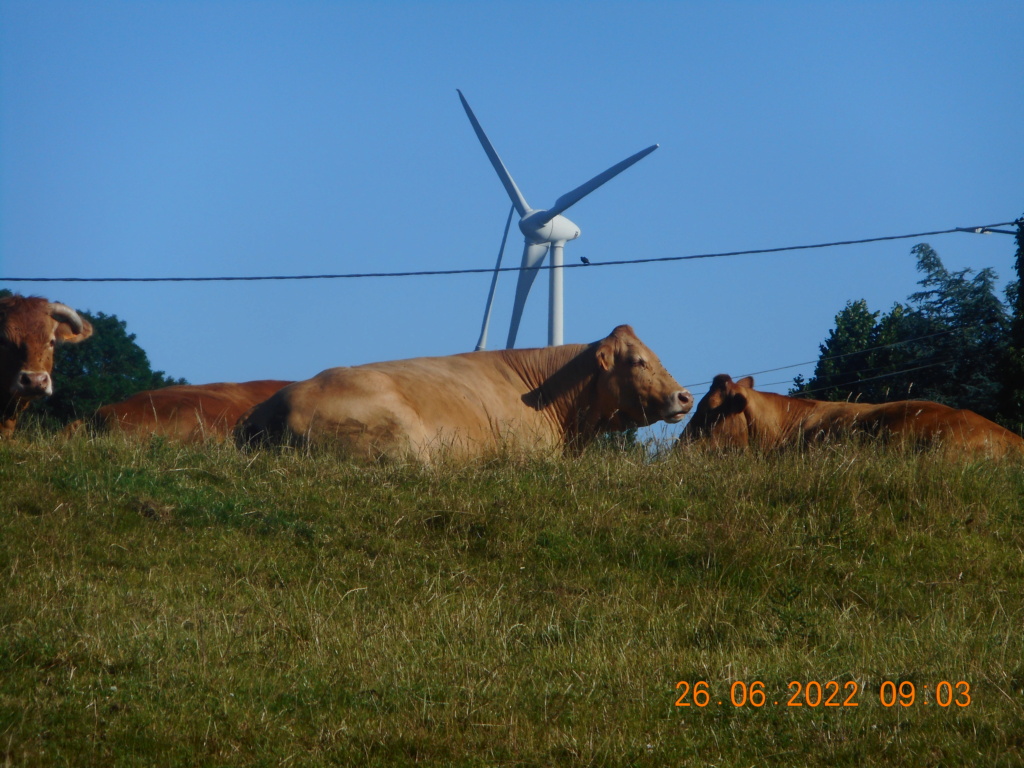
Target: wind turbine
543,230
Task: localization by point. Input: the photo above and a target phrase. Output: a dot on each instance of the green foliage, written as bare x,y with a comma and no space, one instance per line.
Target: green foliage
1012,398
842,360
191,605
948,344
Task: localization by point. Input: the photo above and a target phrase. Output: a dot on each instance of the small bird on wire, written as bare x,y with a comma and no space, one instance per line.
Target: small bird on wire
584,259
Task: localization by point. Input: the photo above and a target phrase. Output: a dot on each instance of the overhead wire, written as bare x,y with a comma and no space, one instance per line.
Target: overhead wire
849,354
872,378
859,381
482,270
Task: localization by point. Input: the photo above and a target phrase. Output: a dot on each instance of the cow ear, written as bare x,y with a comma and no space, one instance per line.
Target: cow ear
746,381
606,354
67,335
71,327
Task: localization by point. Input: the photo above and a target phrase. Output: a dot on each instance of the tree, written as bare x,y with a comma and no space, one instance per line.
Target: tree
948,344
106,368
843,361
1012,396
970,330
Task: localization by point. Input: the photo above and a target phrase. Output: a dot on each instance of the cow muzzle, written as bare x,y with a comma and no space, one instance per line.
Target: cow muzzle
33,384
679,404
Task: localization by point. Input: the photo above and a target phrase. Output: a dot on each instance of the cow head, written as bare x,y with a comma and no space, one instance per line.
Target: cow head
720,418
634,389
30,330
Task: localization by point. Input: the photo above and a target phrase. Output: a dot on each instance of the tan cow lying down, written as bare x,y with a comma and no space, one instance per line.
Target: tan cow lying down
186,411
733,414
475,403
30,329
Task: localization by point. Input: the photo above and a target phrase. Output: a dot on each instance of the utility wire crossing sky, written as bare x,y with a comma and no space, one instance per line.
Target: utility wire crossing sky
989,229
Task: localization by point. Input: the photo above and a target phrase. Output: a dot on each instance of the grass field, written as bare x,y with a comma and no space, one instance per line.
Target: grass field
169,605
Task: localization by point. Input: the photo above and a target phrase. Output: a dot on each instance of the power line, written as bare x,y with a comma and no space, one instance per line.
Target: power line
859,381
439,272
881,376
855,352
858,352
885,376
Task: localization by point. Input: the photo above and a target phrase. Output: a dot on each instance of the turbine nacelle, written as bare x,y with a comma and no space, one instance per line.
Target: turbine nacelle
539,227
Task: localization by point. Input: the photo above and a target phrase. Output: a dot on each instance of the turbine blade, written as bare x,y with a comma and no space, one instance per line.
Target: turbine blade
482,343
506,178
571,198
533,255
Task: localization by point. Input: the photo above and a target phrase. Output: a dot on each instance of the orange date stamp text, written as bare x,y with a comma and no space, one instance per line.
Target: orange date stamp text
944,694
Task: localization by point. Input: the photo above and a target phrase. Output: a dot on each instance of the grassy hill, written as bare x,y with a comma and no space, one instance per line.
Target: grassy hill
170,605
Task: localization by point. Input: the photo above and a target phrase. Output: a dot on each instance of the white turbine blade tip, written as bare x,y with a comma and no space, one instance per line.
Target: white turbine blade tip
499,167
573,197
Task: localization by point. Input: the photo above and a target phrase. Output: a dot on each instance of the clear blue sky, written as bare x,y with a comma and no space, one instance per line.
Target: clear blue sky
257,138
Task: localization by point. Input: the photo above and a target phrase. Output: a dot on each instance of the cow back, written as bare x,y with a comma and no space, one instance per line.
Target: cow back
186,411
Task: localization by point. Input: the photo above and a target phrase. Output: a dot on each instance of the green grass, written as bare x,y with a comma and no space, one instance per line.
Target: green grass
170,605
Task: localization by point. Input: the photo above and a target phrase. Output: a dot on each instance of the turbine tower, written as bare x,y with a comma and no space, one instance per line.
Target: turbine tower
543,230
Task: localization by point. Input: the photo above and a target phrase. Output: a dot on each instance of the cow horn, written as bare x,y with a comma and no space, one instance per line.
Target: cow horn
64,314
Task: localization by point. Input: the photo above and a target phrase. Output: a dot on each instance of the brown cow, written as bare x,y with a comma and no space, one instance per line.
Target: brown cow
475,403
30,330
733,414
186,411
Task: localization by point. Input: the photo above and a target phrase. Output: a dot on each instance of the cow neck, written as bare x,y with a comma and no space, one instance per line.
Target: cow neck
555,381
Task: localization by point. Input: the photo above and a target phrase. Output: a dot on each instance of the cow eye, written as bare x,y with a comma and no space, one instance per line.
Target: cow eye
638,362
